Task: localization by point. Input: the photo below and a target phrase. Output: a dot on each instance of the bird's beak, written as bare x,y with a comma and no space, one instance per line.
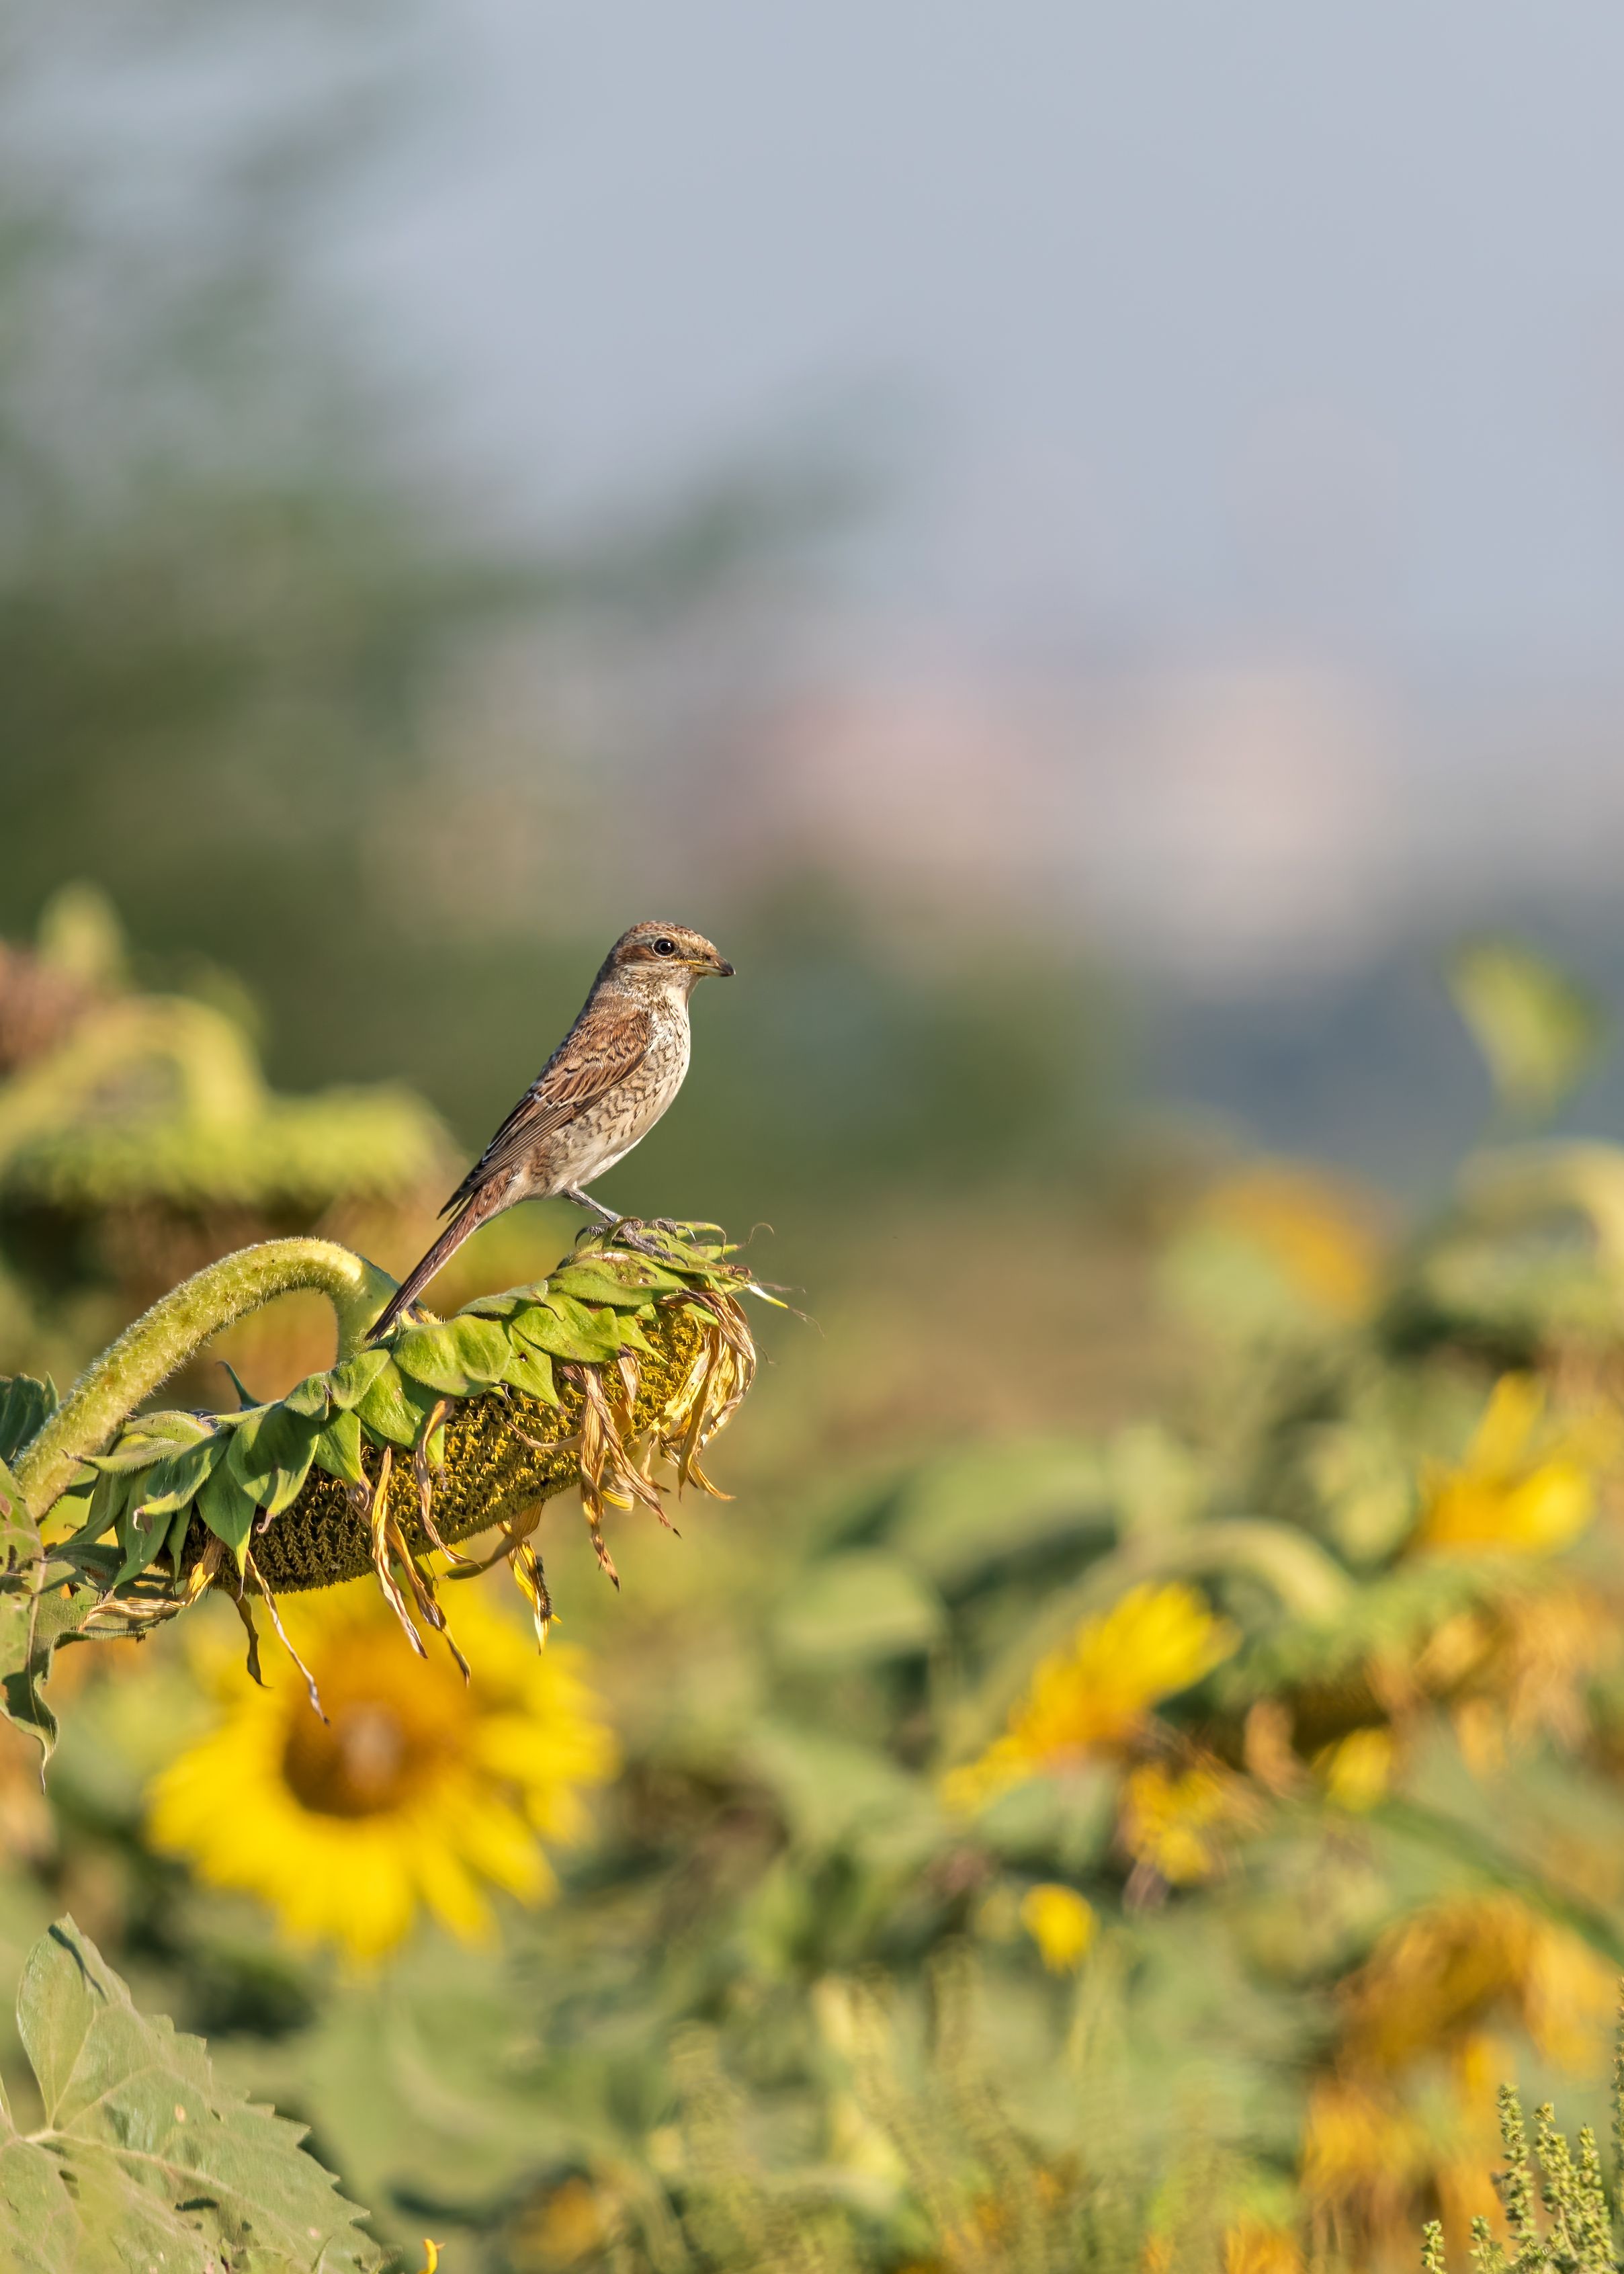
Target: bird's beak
711,966
723,970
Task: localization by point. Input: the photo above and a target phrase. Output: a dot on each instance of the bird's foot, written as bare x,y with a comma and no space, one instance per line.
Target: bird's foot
639,1241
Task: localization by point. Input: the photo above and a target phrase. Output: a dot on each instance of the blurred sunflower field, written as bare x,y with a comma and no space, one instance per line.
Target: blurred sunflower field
1056,1813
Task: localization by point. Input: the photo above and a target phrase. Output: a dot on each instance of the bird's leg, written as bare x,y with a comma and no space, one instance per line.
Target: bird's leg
626,1228
584,1199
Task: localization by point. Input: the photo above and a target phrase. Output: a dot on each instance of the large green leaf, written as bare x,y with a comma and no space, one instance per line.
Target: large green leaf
143,2160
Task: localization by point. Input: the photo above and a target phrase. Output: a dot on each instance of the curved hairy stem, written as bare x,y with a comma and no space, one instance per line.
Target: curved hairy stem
163,1339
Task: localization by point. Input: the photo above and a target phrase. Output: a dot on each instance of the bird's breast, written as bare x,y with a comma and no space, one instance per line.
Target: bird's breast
607,1129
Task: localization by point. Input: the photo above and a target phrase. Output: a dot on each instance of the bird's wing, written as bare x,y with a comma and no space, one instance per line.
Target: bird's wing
603,1049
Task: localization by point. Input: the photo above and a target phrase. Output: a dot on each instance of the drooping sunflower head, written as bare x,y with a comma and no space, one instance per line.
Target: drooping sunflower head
418,1791
621,1358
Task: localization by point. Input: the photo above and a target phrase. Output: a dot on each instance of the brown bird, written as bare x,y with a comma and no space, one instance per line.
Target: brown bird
603,1090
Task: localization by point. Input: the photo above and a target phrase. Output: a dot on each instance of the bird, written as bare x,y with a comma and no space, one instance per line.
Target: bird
600,1093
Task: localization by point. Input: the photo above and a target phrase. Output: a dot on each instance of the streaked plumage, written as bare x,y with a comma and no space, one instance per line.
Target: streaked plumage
603,1090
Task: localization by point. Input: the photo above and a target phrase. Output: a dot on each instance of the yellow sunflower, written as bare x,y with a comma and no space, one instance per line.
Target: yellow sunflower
1091,1697
1061,1923
417,1790
1528,1485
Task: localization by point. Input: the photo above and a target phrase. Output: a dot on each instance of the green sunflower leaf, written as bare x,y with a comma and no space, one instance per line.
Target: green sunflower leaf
143,2158
566,1329
393,1408
309,1398
632,1336
142,1534
351,1379
245,1398
112,1497
175,1482
497,1306
462,1356
228,1508
531,1371
174,1539
19,1535
337,1449
130,1454
627,1287
176,1428
25,1404
271,1454
36,1614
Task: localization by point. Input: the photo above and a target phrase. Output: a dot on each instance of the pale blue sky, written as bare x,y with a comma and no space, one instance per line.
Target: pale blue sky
1184,326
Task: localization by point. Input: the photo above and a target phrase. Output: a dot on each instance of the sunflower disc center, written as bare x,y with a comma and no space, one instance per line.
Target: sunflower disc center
364,1762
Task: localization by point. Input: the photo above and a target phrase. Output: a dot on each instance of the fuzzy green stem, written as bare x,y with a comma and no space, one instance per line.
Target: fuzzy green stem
147,1352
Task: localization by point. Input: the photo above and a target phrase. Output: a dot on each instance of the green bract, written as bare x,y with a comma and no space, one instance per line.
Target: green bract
450,1428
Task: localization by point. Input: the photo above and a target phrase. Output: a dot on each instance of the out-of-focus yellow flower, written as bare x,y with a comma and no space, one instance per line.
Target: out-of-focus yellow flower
1522,1489
570,2226
1308,1228
418,1790
1380,2152
1388,2137
1435,1978
1173,1821
1093,1696
1276,1247
1358,1768
1061,1923
1543,1651
1369,2159
1253,2245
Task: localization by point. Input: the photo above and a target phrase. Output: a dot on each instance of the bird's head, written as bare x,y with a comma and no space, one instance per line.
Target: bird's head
657,954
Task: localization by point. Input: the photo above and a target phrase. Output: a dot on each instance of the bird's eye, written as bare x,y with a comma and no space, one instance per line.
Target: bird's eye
665,947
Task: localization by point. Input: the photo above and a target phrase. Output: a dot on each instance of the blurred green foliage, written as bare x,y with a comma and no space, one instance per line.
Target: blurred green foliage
1539,1032
138,1138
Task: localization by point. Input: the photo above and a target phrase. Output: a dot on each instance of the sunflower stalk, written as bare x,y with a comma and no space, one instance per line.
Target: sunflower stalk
176,1327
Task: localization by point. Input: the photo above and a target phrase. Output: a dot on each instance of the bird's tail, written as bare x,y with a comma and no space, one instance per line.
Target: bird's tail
418,1278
